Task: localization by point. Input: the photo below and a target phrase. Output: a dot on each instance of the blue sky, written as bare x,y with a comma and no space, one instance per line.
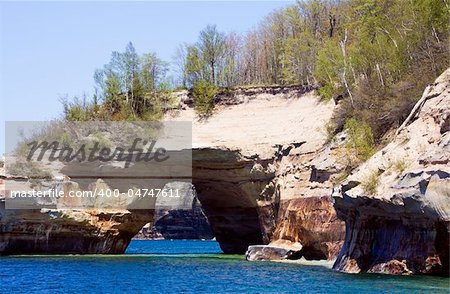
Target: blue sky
51,49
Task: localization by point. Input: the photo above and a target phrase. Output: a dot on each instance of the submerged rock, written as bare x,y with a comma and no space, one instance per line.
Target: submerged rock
402,224
278,250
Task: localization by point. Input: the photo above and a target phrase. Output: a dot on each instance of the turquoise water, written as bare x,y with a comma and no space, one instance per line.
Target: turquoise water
190,266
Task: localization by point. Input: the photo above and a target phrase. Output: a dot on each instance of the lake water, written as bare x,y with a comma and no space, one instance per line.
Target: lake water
191,266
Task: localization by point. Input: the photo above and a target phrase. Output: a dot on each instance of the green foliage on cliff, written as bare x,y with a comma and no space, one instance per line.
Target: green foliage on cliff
381,57
204,93
360,140
30,169
370,183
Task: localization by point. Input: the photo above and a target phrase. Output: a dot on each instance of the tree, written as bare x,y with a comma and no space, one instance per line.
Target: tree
195,65
153,71
130,63
231,65
112,91
212,48
129,86
204,93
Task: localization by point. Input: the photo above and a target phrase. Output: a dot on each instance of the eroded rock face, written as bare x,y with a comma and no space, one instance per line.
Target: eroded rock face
303,212
401,225
242,95
249,201
67,232
281,200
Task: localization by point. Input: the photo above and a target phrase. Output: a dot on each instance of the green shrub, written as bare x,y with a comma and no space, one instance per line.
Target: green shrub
152,116
360,139
400,166
204,93
326,92
370,183
77,113
330,129
35,173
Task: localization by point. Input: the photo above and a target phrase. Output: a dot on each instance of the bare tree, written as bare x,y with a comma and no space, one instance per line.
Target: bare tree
179,60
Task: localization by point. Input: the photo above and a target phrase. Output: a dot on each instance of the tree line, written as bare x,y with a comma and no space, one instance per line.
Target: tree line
325,42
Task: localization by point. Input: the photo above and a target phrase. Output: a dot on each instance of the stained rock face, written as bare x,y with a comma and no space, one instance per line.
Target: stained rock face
306,227
250,201
303,213
312,222
274,201
401,224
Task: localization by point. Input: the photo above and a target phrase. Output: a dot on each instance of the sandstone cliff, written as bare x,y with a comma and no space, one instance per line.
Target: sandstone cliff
396,206
304,220
262,173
